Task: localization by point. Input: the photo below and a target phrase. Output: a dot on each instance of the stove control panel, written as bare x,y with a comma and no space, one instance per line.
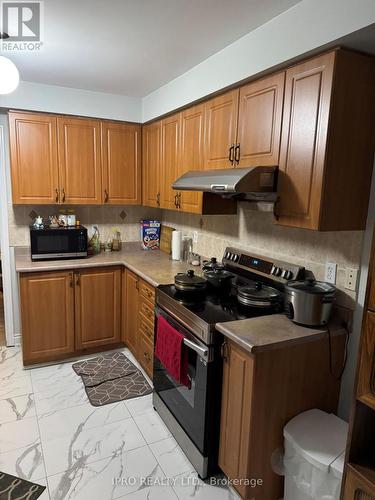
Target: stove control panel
281,271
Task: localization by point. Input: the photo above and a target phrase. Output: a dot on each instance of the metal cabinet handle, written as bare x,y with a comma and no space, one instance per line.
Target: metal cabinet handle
137,284
57,196
176,200
237,153
63,195
78,281
106,196
224,350
179,200
71,280
231,154
276,207
158,199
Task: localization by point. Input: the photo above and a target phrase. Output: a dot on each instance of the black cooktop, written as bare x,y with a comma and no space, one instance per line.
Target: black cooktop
217,305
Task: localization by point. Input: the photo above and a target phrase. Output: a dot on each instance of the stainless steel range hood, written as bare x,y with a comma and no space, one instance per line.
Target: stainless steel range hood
246,183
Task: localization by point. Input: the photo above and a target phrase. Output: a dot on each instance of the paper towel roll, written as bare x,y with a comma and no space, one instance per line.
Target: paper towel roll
176,245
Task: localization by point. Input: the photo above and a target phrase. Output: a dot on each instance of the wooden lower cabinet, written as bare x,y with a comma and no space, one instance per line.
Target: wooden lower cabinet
357,485
69,312
138,319
98,307
47,311
130,305
261,393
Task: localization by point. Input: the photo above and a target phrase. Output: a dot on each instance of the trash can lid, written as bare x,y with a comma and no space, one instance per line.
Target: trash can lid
319,437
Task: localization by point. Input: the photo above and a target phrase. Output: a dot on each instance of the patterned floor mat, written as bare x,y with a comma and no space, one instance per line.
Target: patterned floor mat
13,488
110,378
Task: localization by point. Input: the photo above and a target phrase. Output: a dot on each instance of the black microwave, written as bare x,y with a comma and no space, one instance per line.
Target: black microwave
51,243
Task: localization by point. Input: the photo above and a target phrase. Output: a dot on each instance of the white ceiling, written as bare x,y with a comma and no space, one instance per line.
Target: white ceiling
132,47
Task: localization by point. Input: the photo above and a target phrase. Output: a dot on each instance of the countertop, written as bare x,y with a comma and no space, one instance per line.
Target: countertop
157,268
154,266
271,332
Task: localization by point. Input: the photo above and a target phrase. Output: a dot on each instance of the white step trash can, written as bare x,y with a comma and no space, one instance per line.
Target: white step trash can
314,443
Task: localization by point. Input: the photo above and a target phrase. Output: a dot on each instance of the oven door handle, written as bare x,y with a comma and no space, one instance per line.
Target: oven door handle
202,352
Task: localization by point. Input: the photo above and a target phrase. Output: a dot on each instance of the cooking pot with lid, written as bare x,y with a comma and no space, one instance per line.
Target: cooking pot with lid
309,302
189,282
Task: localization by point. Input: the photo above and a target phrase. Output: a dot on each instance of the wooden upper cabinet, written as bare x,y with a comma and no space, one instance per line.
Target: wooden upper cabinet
221,115
327,142
98,307
259,122
191,153
151,152
170,144
121,163
33,148
47,310
79,161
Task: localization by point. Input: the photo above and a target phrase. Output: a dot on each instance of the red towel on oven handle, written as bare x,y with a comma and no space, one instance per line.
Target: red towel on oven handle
171,352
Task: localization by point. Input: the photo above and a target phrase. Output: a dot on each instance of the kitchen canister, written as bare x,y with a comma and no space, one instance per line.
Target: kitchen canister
176,245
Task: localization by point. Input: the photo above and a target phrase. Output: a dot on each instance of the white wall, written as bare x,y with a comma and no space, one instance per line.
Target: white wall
304,27
54,99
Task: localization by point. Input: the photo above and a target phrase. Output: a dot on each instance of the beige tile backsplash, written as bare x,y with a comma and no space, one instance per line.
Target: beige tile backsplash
249,230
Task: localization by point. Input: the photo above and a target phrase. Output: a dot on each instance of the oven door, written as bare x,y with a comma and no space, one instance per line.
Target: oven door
189,406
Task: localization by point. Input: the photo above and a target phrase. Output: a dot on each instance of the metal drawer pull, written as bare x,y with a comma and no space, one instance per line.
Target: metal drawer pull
199,350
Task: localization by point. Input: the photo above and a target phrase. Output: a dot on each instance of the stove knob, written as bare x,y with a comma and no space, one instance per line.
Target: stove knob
235,258
290,275
284,273
277,271
227,255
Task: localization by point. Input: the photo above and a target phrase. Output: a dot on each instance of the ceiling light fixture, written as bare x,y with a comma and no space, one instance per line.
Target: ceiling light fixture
10,76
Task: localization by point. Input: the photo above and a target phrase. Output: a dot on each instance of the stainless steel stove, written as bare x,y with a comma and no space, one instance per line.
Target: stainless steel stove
193,414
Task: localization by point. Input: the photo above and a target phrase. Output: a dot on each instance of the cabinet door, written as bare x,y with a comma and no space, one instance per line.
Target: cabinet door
236,413
303,141
33,148
221,115
151,151
357,487
98,307
79,161
170,143
366,379
47,310
131,311
371,284
259,121
121,157
191,153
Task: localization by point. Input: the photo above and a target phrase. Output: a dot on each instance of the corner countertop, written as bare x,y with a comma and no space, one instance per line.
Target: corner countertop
154,266
271,332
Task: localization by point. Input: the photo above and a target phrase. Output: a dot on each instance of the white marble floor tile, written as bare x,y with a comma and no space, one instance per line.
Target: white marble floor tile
45,494
16,408
55,375
59,397
26,463
152,426
18,434
190,486
87,446
155,492
170,457
17,385
10,362
137,406
120,474
61,423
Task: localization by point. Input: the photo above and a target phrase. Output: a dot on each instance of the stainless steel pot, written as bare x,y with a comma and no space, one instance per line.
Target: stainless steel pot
189,282
309,302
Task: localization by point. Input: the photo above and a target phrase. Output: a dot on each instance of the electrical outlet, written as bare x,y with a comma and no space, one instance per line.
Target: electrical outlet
195,236
351,278
330,274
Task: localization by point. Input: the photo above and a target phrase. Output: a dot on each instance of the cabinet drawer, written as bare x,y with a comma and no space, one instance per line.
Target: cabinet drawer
146,328
146,355
357,486
147,291
147,309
